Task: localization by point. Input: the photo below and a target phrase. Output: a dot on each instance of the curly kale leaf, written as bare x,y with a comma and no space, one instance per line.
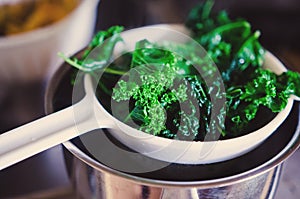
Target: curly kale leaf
230,43
159,82
265,89
155,86
91,61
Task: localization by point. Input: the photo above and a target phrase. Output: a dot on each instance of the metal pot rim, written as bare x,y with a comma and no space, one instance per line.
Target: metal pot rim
267,166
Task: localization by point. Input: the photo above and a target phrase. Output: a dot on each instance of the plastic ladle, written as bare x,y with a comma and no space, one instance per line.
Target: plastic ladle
66,124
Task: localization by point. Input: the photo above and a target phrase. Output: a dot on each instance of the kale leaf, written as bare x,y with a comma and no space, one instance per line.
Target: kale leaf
265,89
232,45
155,86
174,92
105,41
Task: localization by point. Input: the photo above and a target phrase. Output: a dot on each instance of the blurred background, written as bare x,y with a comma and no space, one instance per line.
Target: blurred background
22,89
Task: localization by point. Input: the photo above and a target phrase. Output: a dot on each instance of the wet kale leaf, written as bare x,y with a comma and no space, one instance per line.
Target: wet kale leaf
158,83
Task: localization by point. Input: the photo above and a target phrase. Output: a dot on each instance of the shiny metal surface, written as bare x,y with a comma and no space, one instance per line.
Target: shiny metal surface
94,180
92,183
247,175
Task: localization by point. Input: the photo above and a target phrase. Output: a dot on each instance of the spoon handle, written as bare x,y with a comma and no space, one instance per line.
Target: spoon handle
32,138
46,132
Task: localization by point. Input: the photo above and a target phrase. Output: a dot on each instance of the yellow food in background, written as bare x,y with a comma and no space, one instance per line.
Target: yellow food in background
31,14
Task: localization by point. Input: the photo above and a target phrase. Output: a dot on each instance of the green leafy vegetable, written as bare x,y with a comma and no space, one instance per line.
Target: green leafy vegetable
174,95
231,44
106,41
151,86
265,89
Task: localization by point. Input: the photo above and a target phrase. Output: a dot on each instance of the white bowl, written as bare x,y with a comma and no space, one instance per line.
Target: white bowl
31,55
191,152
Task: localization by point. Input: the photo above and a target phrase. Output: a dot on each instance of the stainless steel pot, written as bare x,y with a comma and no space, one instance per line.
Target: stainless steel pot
253,175
90,182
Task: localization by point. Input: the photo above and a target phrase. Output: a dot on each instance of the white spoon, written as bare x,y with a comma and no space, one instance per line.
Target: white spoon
32,138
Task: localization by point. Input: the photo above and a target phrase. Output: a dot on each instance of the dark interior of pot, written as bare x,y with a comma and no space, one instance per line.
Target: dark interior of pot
60,95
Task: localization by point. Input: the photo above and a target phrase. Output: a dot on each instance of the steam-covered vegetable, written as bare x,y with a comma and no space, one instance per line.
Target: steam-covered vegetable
157,83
